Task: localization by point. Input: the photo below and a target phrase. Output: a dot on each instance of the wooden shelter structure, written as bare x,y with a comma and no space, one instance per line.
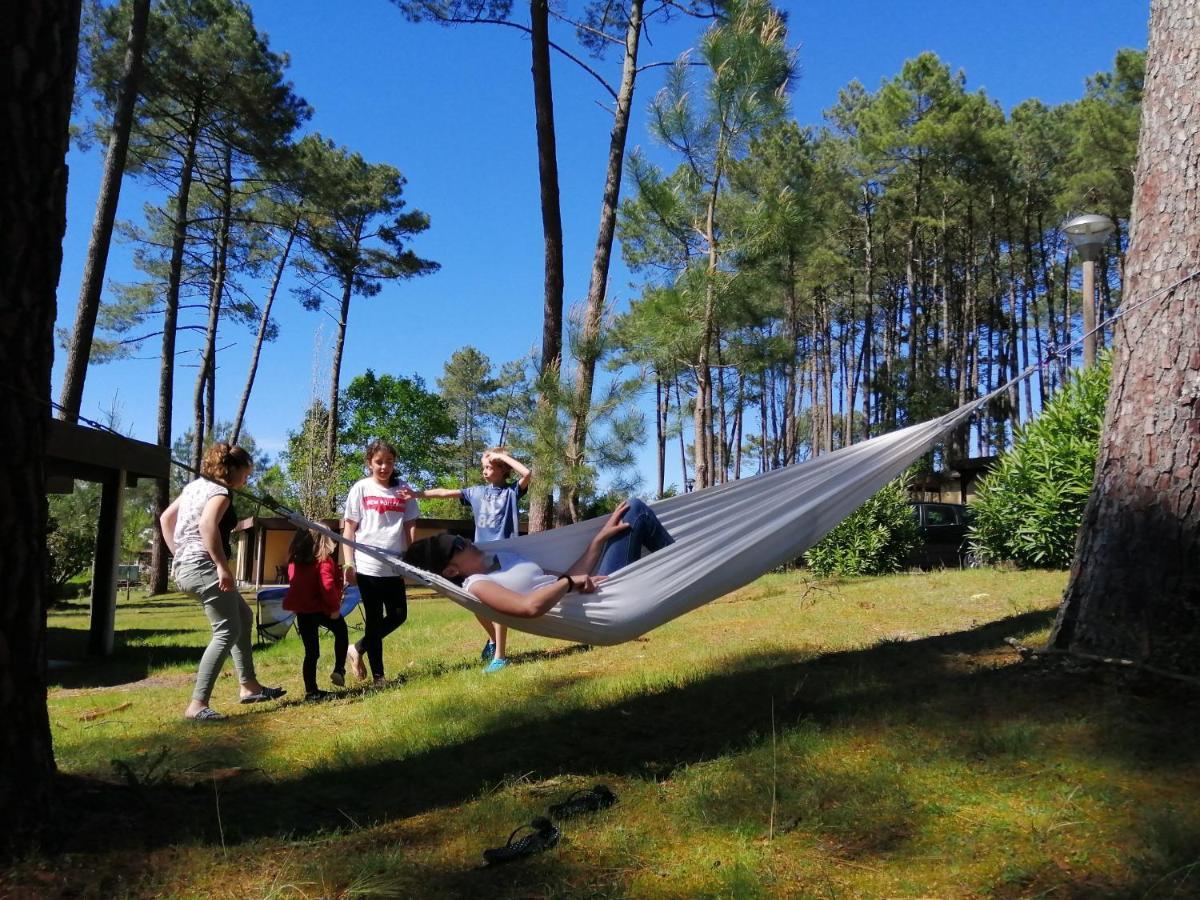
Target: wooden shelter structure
88,454
956,483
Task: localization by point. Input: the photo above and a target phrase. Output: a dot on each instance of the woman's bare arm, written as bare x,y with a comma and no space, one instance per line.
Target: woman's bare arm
167,522
525,606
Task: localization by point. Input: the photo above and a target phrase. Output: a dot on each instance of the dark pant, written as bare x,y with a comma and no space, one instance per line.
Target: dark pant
309,624
644,531
385,606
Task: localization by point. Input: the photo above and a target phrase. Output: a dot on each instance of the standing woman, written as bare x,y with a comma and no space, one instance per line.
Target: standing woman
380,512
196,528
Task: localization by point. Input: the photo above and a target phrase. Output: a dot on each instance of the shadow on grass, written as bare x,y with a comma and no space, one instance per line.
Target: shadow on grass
954,685
158,602
131,660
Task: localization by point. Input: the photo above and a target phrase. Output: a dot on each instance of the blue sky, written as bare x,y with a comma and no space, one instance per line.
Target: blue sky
452,109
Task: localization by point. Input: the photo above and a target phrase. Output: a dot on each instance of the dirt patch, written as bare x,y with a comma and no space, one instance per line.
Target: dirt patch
153,681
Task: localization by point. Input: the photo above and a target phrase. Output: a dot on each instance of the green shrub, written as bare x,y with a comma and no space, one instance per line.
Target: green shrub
71,535
1028,509
875,540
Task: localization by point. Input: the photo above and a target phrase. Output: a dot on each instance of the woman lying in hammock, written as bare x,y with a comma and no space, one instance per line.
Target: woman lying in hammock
511,584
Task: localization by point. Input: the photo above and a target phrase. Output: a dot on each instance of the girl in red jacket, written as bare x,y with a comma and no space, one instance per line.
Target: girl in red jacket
315,596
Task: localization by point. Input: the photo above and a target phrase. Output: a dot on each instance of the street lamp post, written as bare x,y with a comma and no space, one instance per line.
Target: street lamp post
1088,235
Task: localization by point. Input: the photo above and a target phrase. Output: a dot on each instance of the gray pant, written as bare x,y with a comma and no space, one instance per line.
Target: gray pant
231,620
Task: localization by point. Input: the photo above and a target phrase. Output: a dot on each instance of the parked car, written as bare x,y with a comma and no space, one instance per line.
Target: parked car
943,529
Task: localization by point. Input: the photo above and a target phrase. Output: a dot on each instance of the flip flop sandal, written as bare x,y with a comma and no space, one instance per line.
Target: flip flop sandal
208,714
543,837
267,693
584,801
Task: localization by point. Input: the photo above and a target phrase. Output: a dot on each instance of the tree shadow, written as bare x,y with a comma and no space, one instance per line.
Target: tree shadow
132,658
169,601
947,684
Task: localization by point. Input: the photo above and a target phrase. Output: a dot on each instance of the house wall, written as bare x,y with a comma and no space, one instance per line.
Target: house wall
275,556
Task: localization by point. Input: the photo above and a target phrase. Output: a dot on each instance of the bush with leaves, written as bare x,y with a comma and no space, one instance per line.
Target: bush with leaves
876,539
1029,508
71,534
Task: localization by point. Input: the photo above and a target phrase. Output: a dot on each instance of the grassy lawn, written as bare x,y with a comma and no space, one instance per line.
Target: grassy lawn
865,738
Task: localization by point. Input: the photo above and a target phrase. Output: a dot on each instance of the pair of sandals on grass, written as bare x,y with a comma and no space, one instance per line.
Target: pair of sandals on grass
208,714
542,833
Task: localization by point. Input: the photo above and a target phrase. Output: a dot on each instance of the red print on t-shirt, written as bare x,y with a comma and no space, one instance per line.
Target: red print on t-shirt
384,504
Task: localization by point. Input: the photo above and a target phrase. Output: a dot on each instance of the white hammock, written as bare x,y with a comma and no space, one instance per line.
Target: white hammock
725,537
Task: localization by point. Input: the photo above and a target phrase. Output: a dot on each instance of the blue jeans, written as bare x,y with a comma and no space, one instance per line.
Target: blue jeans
644,531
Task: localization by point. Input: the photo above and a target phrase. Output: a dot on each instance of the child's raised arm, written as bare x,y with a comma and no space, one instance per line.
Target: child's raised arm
525,476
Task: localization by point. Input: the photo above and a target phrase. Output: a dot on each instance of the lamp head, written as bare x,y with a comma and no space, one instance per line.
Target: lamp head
1088,234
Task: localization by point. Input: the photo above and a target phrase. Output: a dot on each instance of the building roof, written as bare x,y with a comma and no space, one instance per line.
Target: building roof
89,454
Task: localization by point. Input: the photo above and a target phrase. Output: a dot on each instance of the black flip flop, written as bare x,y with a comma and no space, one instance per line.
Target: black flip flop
584,801
267,693
543,837
207,714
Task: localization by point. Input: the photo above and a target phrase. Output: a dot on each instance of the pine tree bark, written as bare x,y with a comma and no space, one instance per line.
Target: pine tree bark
1134,590
166,372
598,286
541,506
84,329
38,49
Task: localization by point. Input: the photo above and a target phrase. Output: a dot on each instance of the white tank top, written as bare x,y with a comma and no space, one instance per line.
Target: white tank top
518,574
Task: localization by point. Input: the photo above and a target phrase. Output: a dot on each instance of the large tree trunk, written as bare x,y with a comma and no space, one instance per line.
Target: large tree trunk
541,503
38,45
166,372
106,213
1134,590
598,286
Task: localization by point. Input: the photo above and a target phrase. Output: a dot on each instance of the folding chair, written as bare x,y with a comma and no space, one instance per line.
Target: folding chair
273,622
350,599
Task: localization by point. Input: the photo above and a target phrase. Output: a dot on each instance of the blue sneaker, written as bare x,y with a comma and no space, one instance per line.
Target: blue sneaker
495,665
489,651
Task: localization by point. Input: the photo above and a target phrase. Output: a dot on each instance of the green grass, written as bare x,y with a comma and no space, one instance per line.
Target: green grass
871,737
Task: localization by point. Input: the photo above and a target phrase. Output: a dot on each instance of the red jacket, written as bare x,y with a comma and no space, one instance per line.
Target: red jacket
314,587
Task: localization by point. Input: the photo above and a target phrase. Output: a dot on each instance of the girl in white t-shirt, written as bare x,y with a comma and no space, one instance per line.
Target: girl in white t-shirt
379,513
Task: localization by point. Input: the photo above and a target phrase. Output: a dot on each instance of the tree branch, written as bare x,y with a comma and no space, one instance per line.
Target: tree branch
659,65
445,20
588,28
